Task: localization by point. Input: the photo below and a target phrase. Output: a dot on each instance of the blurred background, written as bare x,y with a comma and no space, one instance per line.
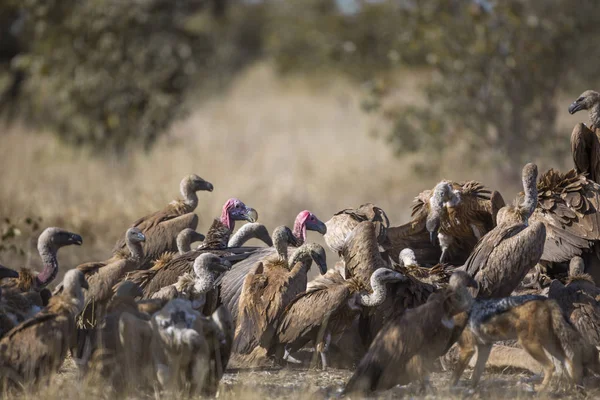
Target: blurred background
286,104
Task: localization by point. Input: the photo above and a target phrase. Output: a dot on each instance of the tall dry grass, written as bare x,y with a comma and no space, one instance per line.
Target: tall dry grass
280,145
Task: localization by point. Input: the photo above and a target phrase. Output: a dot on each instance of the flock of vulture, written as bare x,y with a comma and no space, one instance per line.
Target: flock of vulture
467,272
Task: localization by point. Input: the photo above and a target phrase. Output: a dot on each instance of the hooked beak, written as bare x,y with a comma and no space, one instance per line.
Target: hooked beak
472,283
207,186
76,239
318,226
84,283
200,237
433,237
398,277
8,273
574,107
141,237
322,265
251,214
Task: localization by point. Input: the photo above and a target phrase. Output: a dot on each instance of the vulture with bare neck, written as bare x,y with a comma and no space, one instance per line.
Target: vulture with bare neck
585,144
447,222
270,287
216,242
232,282
162,227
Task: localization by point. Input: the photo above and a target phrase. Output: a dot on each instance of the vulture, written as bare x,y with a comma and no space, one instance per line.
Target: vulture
362,258
252,230
452,218
579,301
162,227
167,273
102,280
585,145
343,222
193,286
502,258
329,307
187,351
185,238
405,349
437,275
269,288
35,349
48,244
232,282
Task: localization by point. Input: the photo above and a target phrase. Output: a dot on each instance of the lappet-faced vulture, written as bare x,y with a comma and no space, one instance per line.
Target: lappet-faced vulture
48,244
269,288
329,306
34,350
453,217
162,227
167,273
585,144
504,255
232,282
405,349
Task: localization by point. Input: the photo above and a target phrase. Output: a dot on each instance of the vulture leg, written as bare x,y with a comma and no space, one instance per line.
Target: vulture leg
288,357
323,348
483,353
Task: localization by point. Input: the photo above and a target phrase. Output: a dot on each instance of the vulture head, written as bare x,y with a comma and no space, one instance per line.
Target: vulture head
55,238
586,101
527,202
310,252
186,237
443,196
235,210
283,237
459,298
308,221
576,266
135,235
408,258
8,273
211,263
193,183
386,275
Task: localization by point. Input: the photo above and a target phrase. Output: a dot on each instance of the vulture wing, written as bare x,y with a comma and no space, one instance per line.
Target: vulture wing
568,205
252,318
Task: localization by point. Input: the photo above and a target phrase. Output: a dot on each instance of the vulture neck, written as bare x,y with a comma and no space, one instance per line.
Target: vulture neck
73,291
243,234
135,248
205,280
595,116
50,261
227,220
530,199
302,254
184,243
190,198
377,297
300,231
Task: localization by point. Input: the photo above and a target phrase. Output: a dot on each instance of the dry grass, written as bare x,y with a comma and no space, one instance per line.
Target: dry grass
279,145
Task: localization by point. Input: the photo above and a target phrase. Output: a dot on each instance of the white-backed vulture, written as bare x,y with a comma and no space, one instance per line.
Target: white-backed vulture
48,244
405,349
579,301
189,352
269,288
193,286
361,258
162,227
504,255
453,217
102,280
232,282
329,307
343,222
252,230
217,237
35,349
585,145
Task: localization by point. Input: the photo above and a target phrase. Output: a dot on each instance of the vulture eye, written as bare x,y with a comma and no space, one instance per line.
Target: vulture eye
312,218
580,99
